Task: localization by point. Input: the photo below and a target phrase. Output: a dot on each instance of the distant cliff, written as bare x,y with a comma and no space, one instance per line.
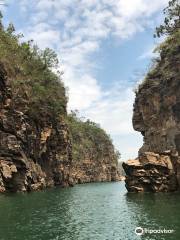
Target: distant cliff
37,144
94,156
157,117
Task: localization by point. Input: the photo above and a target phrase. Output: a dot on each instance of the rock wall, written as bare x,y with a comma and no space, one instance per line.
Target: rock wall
157,117
94,156
96,169
33,155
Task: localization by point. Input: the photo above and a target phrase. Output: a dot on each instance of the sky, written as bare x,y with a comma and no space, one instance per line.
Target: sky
105,48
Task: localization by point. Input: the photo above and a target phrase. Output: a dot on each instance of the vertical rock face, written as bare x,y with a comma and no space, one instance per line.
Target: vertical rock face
33,155
157,117
95,168
35,138
94,156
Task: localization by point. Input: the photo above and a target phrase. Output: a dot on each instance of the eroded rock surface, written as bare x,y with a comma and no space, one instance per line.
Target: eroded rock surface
32,155
35,154
95,170
157,117
151,172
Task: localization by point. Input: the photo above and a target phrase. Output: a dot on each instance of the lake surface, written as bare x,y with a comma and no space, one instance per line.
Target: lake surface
96,211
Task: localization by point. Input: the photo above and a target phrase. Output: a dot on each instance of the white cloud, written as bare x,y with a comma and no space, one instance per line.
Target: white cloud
150,52
114,112
82,91
43,34
76,29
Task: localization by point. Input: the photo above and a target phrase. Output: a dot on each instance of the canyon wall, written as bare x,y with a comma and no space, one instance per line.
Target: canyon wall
37,153
94,156
157,117
33,155
39,145
94,168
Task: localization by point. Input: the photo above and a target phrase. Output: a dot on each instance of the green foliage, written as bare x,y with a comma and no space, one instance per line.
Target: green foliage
49,58
10,28
89,140
166,67
31,72
171,20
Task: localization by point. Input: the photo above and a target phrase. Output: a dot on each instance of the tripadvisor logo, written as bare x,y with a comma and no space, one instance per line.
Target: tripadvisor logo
140,231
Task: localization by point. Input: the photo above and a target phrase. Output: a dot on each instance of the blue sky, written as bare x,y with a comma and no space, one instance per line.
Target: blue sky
104,47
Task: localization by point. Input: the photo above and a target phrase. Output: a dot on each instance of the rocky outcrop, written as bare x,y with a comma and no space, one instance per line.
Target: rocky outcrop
33,155
37,149
151,172
157,117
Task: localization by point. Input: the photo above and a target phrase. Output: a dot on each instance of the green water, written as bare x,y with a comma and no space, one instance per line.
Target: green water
97,211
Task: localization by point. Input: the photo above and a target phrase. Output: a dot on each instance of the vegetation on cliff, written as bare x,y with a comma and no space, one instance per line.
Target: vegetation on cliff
94,156
30,74
166,65
171,21
33,81
89,140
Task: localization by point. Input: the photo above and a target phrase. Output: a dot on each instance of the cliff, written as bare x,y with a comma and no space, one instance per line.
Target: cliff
37,144
157,117
33,155
94,156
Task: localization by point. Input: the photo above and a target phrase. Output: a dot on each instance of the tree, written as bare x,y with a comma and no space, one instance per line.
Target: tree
11,28
49,58
171,20
1,17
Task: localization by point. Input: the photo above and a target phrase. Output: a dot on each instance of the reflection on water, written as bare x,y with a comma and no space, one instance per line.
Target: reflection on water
99,211
156,211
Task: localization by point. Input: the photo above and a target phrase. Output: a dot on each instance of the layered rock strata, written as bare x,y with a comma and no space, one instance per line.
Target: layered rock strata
38,154
157,117
151,172
96,169
33,155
